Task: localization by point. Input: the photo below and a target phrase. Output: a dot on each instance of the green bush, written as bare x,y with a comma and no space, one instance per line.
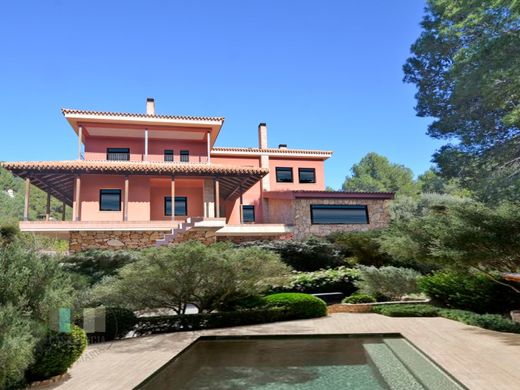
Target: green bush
406,310
309,255
474,292
339,279
487,321
391,282
361,247
8,233
298,304
118,322
95,264
359,298
55,353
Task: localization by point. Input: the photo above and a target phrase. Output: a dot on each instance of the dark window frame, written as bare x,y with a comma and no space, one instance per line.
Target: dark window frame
169,153
250,207
286,169
113,191
313,170
339,206
184,198
118,151
185,156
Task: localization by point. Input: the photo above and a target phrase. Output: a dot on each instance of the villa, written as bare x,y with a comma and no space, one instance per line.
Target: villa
147,179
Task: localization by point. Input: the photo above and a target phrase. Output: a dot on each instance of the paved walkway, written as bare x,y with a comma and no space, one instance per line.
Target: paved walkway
479,358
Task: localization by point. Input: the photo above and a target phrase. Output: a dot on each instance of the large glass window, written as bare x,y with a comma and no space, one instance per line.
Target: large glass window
248,213
168,155
284,175
181,205
118,154
185,156
338,214
110,200
307,175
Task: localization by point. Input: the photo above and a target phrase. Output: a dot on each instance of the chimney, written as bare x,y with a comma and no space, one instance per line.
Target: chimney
282,146
150,106
262,136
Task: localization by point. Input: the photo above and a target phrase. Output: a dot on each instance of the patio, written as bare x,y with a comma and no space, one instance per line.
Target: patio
478,358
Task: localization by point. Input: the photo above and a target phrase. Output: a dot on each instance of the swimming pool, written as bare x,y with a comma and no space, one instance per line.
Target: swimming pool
318,362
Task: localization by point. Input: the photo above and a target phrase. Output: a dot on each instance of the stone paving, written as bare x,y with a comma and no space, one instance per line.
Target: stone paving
478,358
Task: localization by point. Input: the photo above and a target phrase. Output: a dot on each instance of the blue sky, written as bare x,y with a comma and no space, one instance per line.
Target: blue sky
322,74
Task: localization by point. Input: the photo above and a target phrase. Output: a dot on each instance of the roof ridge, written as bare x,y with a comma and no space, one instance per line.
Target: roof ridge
66,111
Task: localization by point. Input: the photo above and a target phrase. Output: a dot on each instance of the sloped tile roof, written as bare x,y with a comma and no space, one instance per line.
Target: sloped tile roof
220,149
69,111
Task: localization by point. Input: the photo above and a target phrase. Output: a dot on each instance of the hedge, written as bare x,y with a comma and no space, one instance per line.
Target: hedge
487,321
359,298
118,322
280,307
56,353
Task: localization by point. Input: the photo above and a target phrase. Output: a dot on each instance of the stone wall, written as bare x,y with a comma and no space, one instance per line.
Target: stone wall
378,216
83,240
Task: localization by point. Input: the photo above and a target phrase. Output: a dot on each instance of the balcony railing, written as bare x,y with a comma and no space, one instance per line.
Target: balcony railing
192,159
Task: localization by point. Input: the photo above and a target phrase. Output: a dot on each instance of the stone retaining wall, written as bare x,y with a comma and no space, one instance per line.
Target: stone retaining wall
83,240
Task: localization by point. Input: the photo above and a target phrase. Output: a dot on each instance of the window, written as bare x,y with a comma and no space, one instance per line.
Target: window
110,200
185,156
307,175
284,175
181,205
248,213
118,154
168,155
338,214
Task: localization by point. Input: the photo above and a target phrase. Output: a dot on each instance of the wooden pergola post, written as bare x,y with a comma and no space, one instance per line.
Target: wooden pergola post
241,205
217,198
63,211
173,198
77,204
48,207
125,202
26,201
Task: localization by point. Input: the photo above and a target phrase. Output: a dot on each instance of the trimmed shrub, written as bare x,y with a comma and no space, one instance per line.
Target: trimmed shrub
487,321
405,310
299,305
474,292
118,322
55,353
391,282
339,279
309,255
359,298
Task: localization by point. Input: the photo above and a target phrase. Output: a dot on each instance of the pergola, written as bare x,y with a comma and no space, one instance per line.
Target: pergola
62,179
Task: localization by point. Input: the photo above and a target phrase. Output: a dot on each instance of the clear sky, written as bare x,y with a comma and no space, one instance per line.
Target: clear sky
322,74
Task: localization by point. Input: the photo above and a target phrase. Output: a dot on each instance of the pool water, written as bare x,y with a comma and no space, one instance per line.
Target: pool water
300,363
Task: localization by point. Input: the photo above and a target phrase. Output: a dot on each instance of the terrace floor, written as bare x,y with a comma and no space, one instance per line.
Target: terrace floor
478,358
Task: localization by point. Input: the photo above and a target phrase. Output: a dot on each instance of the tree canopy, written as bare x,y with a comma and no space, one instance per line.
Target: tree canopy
466,66
376,173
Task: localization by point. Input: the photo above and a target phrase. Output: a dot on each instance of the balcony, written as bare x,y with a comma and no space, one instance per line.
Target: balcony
118,156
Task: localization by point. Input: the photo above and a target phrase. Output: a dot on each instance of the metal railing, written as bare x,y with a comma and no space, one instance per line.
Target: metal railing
118,156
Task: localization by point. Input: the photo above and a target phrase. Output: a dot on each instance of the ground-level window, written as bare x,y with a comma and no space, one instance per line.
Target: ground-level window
339,214
284,175
248,213
185,156
110,200
118,154
181,205
307,175
168,155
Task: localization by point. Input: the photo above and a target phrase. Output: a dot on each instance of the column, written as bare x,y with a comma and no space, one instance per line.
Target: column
26,202
208,198
209,146
63,211
173,198
241,204
80,140
217,198
125,201
77,201
145,144
48,207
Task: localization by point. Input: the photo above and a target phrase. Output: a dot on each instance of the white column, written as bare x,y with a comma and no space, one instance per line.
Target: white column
209,147
26,202
80,140
208,197
77,202
125,200
145,144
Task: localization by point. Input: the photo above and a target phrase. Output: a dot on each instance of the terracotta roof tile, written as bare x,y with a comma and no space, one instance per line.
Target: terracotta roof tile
68,111
134,167
220,149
